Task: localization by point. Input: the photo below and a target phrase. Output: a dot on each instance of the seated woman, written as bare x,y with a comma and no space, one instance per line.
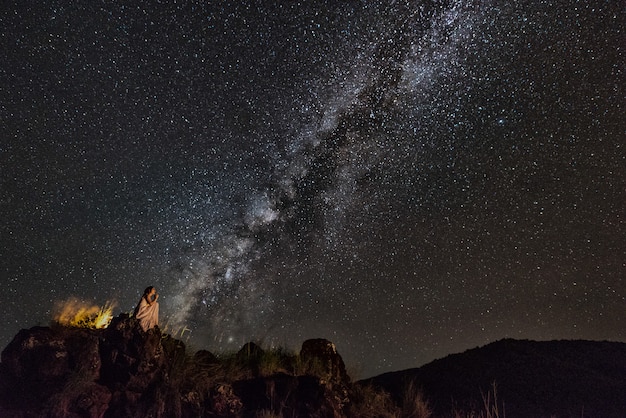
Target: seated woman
147,311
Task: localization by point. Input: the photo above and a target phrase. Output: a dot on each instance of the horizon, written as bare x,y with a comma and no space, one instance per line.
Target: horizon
353,370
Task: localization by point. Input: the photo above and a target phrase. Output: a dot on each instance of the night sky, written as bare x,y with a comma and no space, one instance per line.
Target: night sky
407,179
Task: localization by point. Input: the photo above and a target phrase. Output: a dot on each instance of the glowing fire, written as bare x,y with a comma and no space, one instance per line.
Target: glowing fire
78,314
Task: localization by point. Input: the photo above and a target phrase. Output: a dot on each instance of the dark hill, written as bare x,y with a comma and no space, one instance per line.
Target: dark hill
532,379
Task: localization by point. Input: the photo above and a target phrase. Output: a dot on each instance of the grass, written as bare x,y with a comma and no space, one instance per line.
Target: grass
491,408
75,313
414,405
371,402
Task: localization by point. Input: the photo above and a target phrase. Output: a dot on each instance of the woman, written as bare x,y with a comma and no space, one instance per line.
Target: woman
147,311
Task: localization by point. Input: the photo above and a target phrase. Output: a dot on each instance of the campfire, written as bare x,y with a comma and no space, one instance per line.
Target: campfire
79,314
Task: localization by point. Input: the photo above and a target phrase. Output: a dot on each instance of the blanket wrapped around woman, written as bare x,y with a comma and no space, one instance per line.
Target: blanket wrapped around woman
147,311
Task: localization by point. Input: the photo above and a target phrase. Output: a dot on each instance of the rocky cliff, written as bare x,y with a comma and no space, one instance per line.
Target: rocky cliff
122,371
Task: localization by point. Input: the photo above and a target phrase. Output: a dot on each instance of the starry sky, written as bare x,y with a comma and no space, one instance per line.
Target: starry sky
407,179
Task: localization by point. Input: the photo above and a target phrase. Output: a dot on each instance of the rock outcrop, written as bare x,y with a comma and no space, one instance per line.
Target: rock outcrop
323,354
122,371
71,372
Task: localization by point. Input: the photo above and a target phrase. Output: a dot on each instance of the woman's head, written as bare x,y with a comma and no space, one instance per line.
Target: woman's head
149,290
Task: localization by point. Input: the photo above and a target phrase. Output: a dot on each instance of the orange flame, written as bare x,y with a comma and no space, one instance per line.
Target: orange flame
78,314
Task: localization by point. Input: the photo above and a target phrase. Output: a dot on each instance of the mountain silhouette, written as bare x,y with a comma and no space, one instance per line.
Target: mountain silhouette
528,378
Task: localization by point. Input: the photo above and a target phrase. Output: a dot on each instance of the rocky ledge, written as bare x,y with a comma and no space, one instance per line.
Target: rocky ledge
122,371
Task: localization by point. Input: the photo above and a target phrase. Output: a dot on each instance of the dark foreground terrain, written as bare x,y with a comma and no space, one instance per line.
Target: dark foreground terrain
122,371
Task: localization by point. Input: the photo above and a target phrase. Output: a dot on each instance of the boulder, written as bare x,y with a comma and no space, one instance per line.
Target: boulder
39,361
320,356
204,358
250,352
136,369
131,358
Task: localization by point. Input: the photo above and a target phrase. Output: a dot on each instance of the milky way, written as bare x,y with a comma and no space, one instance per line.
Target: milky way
407,180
